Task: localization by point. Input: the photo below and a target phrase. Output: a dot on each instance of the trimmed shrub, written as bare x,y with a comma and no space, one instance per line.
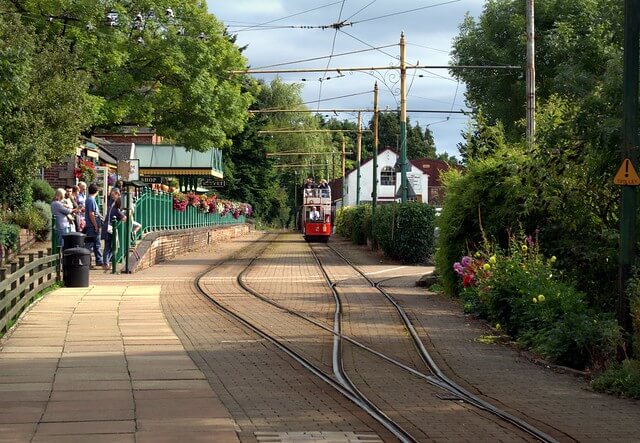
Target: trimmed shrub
406,231
9,235
41,190
621,378
361,224
44,209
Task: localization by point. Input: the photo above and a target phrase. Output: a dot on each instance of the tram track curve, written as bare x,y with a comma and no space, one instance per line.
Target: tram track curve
444,381
340,381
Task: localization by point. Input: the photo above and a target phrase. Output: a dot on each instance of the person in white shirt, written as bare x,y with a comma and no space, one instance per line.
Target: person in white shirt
315,214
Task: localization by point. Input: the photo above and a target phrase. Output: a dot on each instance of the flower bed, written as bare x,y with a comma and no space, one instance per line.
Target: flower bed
210,205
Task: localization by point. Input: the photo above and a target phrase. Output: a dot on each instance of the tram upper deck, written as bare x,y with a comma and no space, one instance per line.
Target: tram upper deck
317,196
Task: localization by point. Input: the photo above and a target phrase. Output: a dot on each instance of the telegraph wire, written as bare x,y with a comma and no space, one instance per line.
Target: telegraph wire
292,15
403,12
359,11
333,47
325,56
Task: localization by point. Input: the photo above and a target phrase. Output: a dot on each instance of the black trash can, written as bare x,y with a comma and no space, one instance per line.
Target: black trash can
75,267
73,240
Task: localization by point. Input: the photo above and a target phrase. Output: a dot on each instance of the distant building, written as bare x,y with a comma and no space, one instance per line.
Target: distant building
423,177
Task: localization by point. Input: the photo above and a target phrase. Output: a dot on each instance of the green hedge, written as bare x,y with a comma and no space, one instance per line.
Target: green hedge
403,231
42,191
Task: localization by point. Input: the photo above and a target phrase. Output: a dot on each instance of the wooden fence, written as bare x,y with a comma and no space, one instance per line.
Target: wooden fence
25,280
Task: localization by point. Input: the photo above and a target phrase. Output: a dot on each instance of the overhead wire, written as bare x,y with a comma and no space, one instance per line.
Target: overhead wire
292,15
404,12
333,47
324,57
360,10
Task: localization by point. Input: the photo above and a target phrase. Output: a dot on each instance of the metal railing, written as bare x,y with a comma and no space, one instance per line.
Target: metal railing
154,211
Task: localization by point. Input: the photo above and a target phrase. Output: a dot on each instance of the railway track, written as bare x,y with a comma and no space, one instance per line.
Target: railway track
339,379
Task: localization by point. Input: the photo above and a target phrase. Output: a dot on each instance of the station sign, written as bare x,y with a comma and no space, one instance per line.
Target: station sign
212,183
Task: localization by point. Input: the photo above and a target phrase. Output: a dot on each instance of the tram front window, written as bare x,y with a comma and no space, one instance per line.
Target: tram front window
314,214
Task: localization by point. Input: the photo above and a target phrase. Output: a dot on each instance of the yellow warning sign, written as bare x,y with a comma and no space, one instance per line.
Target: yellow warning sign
627,174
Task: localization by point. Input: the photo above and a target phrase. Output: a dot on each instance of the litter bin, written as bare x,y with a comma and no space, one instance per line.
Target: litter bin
75,267
73,240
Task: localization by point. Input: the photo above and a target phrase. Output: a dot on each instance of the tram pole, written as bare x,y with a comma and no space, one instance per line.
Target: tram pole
628,150
531,76
403,120
374,193
344,172
359,158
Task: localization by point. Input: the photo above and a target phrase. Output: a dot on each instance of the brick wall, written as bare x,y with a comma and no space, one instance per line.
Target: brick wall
161,246
141,139
59,175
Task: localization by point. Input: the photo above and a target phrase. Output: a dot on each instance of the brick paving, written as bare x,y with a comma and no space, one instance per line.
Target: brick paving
560,404
146,357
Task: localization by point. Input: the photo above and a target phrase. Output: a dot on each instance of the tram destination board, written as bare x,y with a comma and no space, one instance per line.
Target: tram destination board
212,183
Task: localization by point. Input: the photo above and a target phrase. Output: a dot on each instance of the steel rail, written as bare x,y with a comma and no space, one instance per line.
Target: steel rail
453,386
342,385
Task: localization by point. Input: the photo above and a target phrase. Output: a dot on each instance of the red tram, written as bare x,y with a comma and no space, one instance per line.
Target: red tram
316,214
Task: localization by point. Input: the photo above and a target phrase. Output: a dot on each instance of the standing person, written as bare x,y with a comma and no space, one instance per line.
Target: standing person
69,202
315,214
82,193
61,213
113,212
79,216
93,223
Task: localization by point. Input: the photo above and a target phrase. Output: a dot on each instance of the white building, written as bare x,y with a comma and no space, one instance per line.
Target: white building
388,181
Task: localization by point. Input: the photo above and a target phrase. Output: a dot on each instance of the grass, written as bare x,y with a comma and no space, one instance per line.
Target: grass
622,379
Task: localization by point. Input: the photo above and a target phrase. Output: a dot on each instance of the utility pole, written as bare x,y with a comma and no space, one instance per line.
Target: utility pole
344,172
628,205
359,157
531,76
403,120
374,193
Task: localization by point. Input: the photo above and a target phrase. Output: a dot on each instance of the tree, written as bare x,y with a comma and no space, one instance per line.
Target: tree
264,181
420,142
578,55
45,107
481,139
150,66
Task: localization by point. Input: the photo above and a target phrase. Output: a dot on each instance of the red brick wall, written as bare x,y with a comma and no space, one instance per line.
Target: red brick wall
142,139
59,175
167,246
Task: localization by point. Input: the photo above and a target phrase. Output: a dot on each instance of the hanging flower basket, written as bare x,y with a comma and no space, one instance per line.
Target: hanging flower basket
179,202
85,171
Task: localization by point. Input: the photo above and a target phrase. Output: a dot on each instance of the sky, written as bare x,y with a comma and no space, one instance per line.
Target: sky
275,34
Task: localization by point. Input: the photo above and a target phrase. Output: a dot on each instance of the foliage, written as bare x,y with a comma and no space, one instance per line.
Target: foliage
578,55
481,139
621,378
44,106
41,190
44,209
406,231
354,223
420,143
528,297
30,218
155,70
490,196
9,235
85,171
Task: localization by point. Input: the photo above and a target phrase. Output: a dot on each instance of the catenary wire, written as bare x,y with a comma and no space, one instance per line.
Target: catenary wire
360,10
404,12
333,47
324,57
291,15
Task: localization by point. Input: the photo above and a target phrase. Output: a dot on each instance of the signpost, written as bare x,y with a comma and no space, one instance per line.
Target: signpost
129,170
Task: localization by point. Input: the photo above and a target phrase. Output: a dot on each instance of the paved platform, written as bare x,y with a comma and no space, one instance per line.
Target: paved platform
102,364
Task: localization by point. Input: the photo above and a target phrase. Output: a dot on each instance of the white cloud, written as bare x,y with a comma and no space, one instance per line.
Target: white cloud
429,33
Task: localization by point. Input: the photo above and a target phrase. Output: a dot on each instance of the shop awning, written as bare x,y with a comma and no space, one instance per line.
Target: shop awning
178,161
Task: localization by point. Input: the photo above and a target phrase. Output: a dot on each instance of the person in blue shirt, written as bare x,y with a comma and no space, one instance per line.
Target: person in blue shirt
93,224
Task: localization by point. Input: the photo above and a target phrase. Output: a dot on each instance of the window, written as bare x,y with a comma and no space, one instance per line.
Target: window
388,176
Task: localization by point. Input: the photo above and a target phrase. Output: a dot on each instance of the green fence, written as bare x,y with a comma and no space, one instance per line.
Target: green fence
154,211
